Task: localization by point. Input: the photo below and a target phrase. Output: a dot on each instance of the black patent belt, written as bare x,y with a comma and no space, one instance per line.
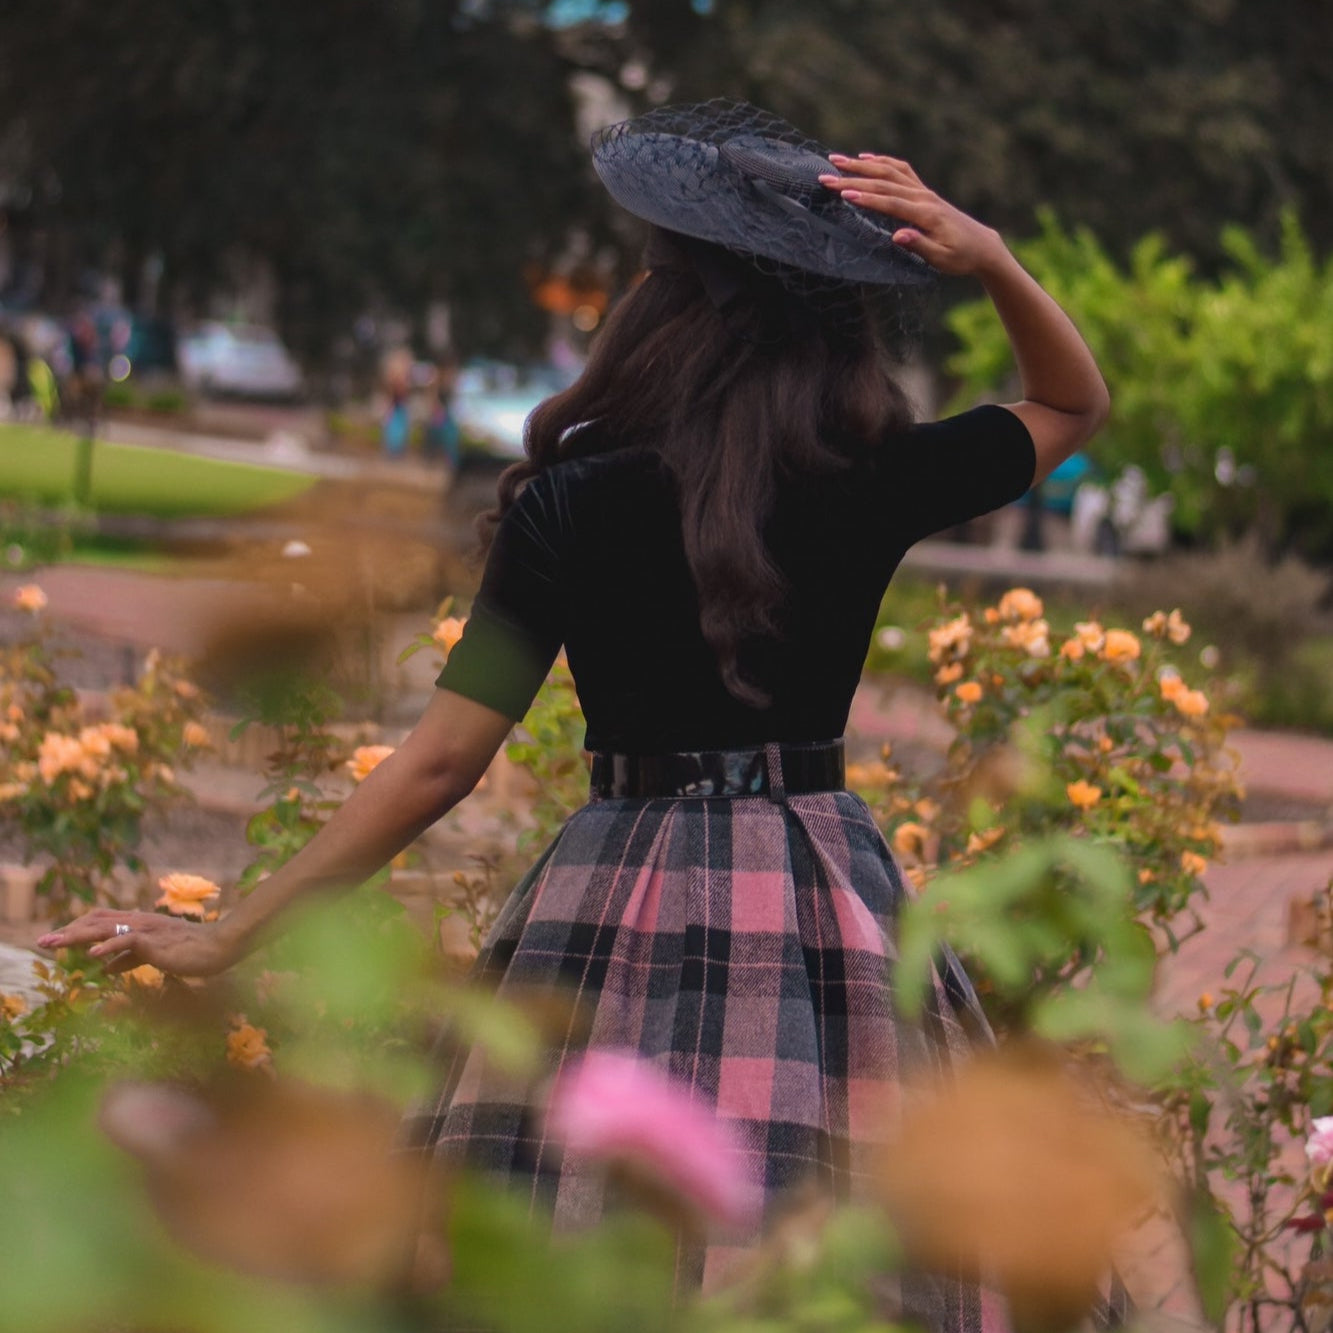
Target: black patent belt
776,771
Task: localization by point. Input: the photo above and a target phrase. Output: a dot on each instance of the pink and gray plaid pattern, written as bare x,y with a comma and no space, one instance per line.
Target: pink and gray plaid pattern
746,947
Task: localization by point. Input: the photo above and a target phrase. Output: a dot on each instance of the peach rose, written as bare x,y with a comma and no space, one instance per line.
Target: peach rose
1083,794
909,838
1192,863
247,1046
1121,646
147,976
984,840
1020,604
30,598
1032,636
448,632
969,692
1191,703
196,734
1090,634
366,758
185,895
1163,626
58,754
870,775
952,639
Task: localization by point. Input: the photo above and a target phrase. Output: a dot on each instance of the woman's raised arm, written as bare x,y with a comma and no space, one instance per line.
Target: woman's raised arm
1065,399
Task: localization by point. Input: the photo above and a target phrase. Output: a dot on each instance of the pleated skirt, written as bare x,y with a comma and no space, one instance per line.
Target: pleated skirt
747,948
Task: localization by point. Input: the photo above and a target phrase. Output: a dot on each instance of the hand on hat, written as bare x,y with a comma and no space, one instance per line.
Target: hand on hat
944,236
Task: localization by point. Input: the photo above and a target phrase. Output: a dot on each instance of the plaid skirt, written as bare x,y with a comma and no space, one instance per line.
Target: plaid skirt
746,947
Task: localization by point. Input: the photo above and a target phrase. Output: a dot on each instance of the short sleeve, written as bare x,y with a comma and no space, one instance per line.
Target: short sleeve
962,467
517,621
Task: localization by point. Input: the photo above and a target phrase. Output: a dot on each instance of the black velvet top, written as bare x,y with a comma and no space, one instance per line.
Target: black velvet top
590,556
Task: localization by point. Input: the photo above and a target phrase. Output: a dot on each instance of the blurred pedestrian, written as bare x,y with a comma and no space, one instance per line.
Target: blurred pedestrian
443,439
396,425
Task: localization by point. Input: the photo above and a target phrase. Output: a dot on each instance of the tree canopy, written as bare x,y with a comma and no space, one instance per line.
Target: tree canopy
392,153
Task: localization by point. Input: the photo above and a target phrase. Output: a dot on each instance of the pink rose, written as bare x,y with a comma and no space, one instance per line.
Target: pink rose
1319,1146
615,1107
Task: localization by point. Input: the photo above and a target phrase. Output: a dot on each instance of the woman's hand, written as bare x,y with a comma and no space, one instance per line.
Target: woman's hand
944,236
173,944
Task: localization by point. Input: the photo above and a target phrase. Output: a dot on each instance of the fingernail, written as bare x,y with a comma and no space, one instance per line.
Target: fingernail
851,194
838,157
829,177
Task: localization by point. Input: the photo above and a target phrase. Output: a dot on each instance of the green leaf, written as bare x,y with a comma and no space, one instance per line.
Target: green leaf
1212,1242
1200,1112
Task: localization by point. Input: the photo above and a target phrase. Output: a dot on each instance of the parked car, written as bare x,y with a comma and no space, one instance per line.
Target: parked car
493,400
243,360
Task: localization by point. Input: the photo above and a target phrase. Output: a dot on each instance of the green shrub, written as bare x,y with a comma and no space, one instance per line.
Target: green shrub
1222,389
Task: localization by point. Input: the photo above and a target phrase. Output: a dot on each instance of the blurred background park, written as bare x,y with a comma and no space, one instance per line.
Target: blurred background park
372,230
278,287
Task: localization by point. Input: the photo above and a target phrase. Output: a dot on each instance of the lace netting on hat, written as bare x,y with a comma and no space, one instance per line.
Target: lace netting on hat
732,174
745,179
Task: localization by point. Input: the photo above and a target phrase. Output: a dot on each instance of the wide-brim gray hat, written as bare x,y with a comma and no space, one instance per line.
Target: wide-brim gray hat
729,173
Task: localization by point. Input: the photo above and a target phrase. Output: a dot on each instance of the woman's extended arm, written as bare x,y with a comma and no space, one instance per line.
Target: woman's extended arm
1064,396
436,767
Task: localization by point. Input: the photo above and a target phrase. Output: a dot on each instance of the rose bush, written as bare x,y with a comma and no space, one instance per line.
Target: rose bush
78,775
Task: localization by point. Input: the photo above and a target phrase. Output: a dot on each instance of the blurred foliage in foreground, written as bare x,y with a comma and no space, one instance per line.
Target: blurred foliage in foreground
221,1157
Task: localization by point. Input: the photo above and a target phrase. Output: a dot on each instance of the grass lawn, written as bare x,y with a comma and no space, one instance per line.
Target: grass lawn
37,465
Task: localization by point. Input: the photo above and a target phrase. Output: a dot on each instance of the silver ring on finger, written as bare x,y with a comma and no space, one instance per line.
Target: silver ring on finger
121,928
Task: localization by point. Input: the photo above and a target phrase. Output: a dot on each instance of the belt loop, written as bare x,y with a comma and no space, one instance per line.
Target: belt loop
777,788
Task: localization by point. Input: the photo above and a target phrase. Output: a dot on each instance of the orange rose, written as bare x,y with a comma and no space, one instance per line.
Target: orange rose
946,675
909,838
969,692
1073,649
1192,863
1192,703
185,895
985,840
1171,685
870,775
30,598
120,737
1090,634
1083,794
247,1046
1121,646
147,976
58,754
196,734
1032,636
952,639
366,758
448,632
1163,626
1020,604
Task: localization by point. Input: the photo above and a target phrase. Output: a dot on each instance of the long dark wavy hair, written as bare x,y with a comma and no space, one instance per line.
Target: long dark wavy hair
732,398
